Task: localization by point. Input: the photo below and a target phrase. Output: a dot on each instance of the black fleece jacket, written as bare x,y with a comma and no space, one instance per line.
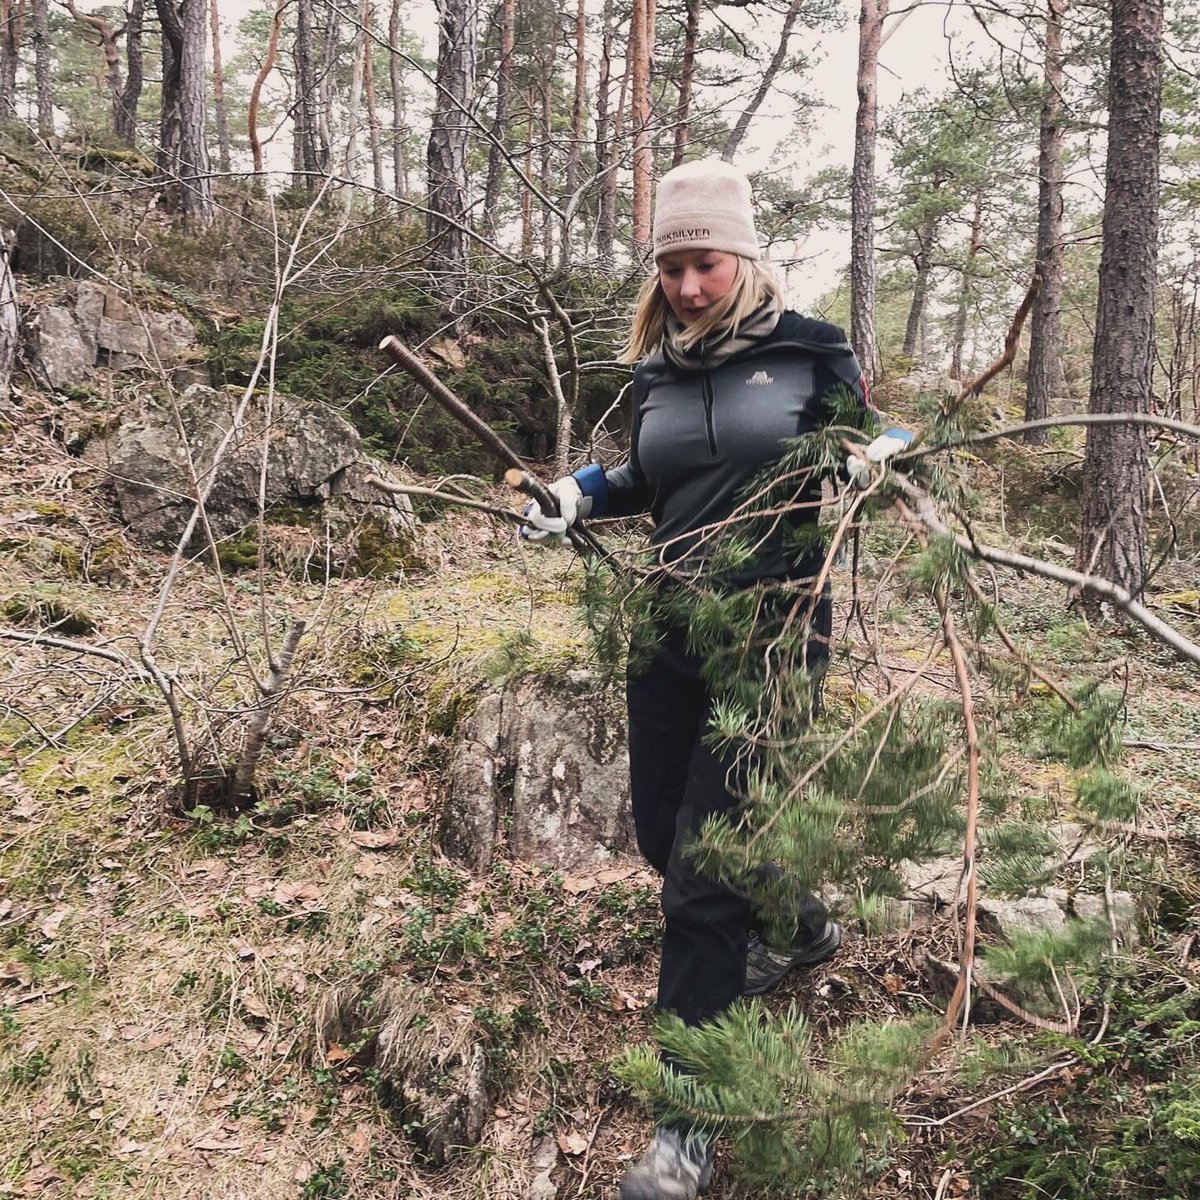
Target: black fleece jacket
698,436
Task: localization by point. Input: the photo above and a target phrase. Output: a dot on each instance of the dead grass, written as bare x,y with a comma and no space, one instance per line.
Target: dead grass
224,1005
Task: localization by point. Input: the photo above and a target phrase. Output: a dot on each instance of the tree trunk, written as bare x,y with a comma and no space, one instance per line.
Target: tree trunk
862,188
325,77
220,110
170,115
1112,540
578,109
1045,375
966,289
373,130
447,153
12,23
350,162
499,131
606,145
923,261
10,331
687,75
109,36
306,163
641,52
399,114
736,135
546,174
41,69
264,70
526,194
183,153
125,109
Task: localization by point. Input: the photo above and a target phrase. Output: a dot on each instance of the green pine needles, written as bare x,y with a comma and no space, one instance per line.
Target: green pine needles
788,1115
843,801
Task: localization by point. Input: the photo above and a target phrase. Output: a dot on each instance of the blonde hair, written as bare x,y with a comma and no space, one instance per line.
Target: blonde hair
753,285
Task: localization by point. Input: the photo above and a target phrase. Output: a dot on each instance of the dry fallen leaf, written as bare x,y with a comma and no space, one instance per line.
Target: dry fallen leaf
571,1143
50,925
893,983
336,1054
297,893
226,1145
254,1006
370,839
576,884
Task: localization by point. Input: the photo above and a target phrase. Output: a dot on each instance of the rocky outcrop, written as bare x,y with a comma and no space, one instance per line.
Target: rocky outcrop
98,328
939,882
431,1075
541,769
315,474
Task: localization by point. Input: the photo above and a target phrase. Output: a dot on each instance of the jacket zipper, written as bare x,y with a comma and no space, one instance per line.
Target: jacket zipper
708,415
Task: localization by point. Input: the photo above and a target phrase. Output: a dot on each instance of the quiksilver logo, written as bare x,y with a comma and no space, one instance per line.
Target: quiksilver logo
682,235
760,379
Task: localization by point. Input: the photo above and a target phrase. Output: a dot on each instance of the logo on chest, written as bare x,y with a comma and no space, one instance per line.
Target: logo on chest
760,379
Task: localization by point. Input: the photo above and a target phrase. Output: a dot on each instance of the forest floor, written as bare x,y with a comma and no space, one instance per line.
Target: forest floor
176,988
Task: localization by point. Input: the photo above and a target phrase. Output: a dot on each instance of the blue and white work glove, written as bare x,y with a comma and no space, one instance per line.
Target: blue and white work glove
889,442
573,506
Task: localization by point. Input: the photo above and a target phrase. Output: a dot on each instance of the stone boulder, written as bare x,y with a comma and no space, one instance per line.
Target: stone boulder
98,328
316,474
541,768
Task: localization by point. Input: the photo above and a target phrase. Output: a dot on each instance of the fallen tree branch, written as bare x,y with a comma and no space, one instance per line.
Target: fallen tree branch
992,993
519,475
1024,1085
404,489
57,643
1095,584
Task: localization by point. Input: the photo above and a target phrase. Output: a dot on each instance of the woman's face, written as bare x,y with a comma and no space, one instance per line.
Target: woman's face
694,280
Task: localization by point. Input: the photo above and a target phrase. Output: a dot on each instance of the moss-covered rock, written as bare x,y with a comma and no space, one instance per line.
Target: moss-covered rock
45,556
48,613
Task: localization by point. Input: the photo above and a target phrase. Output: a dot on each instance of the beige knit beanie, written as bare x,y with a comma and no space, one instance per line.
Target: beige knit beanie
704,205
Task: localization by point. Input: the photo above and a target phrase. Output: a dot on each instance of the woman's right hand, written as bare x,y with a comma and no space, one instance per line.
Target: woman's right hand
545,530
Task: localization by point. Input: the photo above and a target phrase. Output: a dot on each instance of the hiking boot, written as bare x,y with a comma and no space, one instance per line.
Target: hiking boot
677,1166
766,967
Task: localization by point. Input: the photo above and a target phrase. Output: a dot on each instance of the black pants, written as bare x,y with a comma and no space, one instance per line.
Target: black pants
677,781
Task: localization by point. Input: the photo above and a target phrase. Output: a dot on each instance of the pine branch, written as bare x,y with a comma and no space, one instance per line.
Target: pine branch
1095,584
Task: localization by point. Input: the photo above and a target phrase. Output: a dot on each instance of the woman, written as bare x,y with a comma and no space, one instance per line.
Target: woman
725,377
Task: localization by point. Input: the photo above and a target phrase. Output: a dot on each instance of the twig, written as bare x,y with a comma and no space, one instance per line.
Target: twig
45,994
1161,747
1083,419
57,643
1024,1085
961,997
587,1152
404,489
